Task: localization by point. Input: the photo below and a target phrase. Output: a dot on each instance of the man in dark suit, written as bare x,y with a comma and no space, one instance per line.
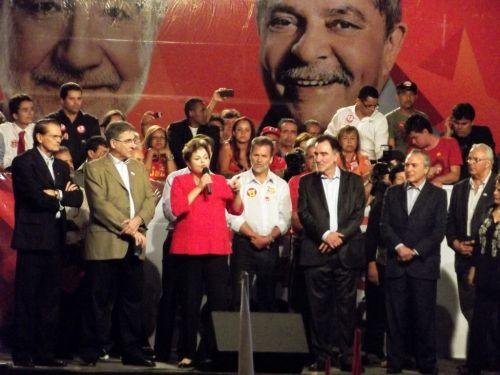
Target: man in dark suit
470,200
42,187
331,205
413,224
180,133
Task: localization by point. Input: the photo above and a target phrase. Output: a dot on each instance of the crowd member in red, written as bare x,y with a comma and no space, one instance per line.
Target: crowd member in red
444,152
201,239
158,159
278,165
293,183
234,155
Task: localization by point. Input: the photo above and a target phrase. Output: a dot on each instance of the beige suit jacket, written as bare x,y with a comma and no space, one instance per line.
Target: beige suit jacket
109,207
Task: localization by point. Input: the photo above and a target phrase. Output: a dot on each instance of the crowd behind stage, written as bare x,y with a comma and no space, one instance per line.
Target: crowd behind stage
233,191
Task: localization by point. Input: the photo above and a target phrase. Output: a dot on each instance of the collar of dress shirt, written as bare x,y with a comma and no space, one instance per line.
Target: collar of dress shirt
47,159
269,177
117,161
336,174
483,182
17,128
418,187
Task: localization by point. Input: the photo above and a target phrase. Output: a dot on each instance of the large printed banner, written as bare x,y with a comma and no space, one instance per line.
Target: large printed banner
282,57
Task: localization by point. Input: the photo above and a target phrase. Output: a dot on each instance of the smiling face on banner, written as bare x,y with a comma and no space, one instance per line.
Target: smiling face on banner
105,46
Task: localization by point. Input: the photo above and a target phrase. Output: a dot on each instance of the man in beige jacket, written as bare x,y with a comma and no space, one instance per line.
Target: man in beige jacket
121,205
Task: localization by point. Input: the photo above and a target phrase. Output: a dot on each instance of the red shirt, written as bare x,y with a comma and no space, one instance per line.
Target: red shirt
293,184
446,153
201,226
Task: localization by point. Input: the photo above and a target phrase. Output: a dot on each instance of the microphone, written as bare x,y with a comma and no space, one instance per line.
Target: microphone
208,188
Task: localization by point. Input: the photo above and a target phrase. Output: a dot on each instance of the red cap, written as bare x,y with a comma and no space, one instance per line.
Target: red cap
270,130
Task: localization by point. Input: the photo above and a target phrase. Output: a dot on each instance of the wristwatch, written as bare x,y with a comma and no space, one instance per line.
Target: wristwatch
170,157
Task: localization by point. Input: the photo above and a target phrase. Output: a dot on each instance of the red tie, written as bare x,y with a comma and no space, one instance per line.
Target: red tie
21,147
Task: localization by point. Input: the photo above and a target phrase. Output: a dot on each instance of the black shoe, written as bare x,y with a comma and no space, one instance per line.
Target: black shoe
347,367
318,366
24,362
393,370
432,371
138,361
50,363
88,362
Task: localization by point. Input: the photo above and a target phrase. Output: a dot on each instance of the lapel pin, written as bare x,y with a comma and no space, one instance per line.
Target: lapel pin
132,173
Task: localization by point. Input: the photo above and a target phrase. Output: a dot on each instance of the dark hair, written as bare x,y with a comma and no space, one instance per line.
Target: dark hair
41,128
463,111
285,120
194,145
191,104
417,123
94,142
67,87
394,170
348,130
334,143
234,145
107,117
115,129
368,91
230,113
16,100
262,141
389,9
216,118
295,161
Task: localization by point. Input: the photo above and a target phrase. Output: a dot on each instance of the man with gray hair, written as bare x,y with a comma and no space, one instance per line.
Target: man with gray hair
105,46
412,225
470,201
316,55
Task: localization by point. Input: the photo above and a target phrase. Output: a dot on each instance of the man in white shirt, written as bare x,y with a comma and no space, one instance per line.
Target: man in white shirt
266,217
16,137
364,116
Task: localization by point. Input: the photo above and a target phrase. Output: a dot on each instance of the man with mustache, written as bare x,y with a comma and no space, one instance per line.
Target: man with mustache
316,55
105,46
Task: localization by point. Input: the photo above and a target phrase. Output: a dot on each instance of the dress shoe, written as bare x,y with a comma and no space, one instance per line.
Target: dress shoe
23,362
431,371
318,366
393,370
50,363
138,361
88,362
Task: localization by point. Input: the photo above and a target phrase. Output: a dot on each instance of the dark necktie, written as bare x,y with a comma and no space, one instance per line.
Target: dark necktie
21,146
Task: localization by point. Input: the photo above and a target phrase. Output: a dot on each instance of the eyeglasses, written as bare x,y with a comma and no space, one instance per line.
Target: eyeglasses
130,141
371,106
474,160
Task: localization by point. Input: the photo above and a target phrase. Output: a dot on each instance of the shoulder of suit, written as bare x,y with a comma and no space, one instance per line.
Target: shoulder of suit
177,125
93,164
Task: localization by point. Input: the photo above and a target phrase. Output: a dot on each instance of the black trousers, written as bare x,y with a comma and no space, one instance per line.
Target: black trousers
116,283
172,290
375,316
326,285
259,263
411,302
203,273
36,305
485,328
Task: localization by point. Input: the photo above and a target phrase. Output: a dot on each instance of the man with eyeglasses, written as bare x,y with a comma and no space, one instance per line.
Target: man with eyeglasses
364,116
461,127
470,200
121,205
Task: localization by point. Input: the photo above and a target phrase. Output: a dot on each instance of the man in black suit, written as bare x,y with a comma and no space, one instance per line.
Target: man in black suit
42,187
331,205
413,224
181,132
470,200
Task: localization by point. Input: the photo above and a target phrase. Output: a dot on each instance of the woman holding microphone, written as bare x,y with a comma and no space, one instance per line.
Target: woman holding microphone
201,242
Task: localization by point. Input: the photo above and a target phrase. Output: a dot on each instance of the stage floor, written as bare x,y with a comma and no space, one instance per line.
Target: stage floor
114,366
